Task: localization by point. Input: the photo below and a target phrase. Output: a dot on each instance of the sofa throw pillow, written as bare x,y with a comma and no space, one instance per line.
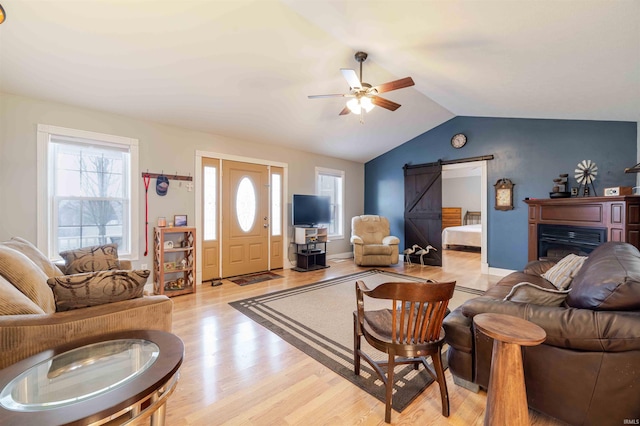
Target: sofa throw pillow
563,272
13,302
27,277
526,292
97,288
91,259
32,252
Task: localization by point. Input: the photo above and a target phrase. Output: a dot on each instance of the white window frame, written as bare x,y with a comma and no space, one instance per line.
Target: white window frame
45,183
322,171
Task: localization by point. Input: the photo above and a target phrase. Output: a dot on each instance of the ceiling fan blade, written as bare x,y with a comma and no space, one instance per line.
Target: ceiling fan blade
330,96
345,111
384,103
352,78
394,85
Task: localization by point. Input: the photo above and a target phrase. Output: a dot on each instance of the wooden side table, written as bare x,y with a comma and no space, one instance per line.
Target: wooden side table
507,396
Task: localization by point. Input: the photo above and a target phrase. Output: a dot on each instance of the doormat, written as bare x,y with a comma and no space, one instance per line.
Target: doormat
254,278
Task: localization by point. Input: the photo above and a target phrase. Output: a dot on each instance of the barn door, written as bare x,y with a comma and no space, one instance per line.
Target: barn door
423,210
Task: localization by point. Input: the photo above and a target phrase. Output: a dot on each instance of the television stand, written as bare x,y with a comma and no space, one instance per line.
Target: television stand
311,249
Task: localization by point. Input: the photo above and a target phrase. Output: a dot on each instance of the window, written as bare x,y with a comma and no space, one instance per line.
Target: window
276,204
210,201
86,191
331,183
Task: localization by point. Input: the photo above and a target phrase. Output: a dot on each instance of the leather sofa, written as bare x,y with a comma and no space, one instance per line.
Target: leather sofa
372,244
30,321
587,372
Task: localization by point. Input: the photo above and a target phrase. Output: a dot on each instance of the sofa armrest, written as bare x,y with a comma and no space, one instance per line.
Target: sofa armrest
391,240
538,267
24,335
571,328
356,240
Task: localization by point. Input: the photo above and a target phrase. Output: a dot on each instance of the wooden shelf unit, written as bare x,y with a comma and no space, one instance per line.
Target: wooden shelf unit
166,278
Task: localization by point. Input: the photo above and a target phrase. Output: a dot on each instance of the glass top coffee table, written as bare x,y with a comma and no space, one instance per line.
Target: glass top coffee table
111,379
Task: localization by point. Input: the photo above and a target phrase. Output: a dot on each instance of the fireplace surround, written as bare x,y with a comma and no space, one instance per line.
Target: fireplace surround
578,225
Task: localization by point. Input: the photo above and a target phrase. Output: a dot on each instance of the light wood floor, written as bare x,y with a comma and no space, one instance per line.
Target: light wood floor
236,372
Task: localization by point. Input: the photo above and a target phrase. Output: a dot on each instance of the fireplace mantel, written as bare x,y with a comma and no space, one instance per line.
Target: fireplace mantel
619,215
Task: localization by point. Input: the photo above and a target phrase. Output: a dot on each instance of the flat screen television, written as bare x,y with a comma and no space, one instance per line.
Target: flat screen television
311,210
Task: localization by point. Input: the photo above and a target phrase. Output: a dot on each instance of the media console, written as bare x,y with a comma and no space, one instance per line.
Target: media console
311,249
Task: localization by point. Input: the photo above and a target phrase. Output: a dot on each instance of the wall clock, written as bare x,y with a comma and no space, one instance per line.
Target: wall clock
458,140
504,194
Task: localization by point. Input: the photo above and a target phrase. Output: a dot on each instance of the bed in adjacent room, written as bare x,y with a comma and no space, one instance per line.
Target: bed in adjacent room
467,235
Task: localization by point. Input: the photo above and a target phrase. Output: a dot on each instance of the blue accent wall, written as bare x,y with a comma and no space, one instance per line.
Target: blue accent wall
529,152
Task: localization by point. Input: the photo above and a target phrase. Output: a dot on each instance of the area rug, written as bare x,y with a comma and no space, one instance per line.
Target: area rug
318,319
254,278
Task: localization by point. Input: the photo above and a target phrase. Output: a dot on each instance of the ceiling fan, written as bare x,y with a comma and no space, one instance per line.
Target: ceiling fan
364,95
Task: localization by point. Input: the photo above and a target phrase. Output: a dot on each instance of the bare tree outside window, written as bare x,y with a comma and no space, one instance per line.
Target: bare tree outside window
90,196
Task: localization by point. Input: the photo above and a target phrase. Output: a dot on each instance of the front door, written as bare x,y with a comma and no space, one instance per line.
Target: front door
245,218
423,209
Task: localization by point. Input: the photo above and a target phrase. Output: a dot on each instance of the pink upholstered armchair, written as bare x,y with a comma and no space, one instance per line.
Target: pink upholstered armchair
372,244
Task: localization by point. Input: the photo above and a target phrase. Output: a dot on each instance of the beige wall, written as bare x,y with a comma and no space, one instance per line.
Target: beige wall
162,148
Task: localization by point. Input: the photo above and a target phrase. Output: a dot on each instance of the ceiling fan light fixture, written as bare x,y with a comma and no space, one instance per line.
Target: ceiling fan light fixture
354,106
3,15
366,103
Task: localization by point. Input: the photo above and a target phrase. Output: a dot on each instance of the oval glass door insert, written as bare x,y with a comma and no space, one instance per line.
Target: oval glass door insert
246,204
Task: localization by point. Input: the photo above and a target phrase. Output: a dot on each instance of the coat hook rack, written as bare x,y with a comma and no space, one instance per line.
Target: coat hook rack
170,177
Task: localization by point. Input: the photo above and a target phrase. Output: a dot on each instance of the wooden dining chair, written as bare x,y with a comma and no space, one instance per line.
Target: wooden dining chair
408,332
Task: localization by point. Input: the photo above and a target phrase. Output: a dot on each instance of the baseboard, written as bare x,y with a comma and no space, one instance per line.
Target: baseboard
348,255
500,272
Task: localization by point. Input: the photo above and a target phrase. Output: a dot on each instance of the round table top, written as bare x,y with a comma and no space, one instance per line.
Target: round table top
88,380
510,329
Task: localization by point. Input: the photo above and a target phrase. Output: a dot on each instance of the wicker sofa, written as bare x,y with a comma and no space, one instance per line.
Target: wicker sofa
587,372
30,318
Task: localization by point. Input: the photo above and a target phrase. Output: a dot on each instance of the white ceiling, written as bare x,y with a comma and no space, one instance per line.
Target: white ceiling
244,68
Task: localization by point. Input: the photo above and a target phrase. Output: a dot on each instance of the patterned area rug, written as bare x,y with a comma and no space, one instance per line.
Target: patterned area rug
318,319
254,278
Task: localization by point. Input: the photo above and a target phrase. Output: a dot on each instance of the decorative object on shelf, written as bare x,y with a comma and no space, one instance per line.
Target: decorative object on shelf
183,264
180,220
168,244
585,173
162,221
618,190
504,194
458,141
559,189
169,266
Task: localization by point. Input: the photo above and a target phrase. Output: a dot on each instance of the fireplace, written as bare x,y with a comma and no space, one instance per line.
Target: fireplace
557,241
580,224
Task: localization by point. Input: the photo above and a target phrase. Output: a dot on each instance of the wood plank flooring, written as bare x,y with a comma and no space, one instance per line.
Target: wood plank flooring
236,372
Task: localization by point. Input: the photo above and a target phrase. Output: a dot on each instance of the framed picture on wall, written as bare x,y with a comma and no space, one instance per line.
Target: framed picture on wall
180,220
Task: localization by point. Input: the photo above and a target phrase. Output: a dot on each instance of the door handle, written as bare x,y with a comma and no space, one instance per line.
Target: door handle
266,225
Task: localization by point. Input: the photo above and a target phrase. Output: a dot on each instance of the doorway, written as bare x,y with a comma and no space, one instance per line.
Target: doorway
240,214
473,173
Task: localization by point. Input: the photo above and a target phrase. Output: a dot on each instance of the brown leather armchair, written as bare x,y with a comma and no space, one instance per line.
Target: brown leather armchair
588,369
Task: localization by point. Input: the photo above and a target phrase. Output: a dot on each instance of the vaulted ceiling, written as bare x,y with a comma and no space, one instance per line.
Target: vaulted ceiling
244,68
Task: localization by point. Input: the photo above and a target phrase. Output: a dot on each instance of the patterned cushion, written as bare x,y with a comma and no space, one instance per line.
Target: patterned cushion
563,272
36,256
91,259
525,292
13,302
96,288
27,277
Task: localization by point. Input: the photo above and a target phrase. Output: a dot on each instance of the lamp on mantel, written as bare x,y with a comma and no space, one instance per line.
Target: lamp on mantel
3,15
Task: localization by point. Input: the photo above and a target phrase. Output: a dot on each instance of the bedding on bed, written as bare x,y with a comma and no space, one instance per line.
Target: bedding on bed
466,235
